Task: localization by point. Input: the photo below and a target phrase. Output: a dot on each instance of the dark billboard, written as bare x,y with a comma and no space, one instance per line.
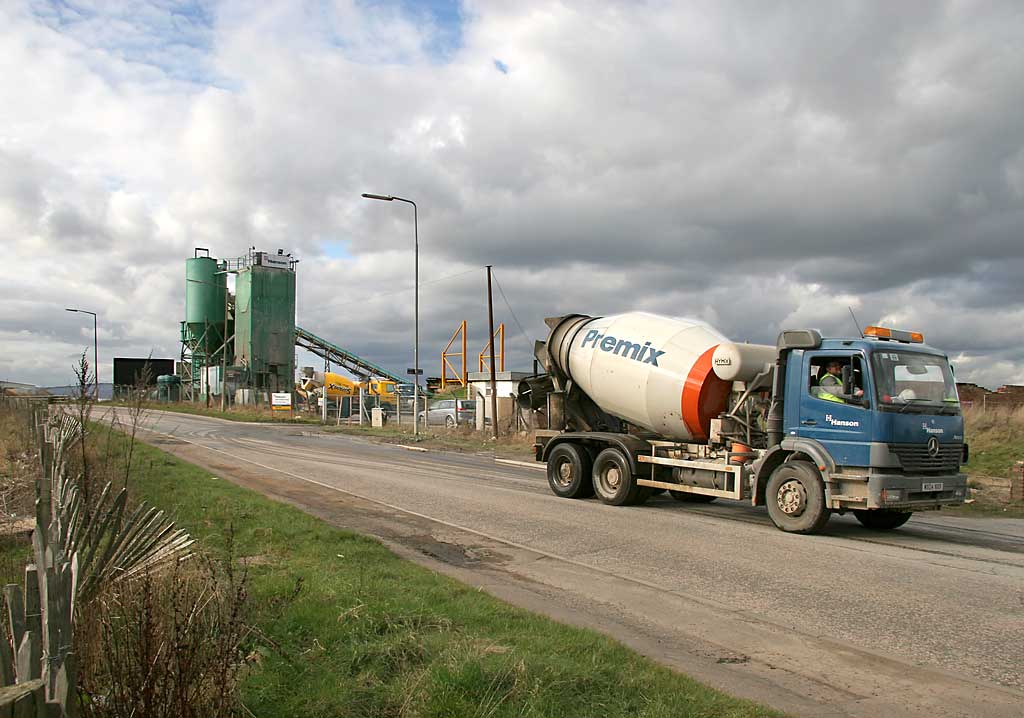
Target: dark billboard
127,370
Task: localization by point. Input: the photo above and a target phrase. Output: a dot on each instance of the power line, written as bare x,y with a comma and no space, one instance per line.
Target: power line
514,317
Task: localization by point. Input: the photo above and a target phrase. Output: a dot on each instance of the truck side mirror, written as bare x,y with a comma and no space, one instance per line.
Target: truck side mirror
847,380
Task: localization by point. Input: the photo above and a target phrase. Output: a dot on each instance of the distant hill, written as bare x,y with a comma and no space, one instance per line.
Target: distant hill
106,390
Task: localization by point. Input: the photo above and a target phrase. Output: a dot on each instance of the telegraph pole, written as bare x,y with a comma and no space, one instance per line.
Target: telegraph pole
494,384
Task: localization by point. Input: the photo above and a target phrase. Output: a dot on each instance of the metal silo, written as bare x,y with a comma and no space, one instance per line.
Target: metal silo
204,303
265,320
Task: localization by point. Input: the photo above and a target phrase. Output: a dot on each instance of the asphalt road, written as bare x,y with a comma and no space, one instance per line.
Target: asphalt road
925,620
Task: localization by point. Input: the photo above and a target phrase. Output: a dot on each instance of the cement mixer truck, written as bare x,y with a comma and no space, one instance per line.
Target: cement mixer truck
637,404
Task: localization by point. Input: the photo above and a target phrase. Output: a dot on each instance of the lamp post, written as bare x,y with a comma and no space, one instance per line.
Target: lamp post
416,304
95,349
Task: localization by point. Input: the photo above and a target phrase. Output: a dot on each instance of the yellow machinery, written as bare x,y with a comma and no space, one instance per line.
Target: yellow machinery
338,385
384,389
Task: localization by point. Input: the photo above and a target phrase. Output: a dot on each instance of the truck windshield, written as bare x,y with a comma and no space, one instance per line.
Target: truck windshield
911,382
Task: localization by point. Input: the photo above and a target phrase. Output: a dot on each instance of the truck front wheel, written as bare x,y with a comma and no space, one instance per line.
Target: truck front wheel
882,519
613,479
569,472
796,498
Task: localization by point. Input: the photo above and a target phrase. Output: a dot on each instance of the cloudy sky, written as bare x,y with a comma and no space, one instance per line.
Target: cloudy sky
755,164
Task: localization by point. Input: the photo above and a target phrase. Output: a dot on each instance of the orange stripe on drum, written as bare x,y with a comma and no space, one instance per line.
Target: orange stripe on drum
704,396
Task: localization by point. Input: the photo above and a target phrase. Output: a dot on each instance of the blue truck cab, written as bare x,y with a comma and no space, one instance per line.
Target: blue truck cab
885,436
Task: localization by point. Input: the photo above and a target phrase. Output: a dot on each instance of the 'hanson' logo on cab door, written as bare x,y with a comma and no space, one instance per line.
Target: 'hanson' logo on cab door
841,422
643,353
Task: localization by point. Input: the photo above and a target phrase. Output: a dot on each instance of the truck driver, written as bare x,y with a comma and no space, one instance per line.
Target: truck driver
831,383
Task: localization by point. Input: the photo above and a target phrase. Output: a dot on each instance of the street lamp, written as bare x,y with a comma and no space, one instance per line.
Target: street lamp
95,349
416,341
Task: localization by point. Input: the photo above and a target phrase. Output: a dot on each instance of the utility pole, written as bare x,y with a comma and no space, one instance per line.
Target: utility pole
96,357
494,383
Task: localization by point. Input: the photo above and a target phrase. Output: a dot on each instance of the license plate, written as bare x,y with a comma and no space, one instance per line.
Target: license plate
934,486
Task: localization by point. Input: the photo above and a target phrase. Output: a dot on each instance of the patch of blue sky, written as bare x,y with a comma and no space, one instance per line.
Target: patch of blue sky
174,37
336,249
440,20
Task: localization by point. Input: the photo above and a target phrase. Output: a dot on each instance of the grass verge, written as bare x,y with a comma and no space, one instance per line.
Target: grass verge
351,630
460,439
235,413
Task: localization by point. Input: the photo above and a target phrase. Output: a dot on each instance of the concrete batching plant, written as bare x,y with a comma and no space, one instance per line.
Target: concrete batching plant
243,341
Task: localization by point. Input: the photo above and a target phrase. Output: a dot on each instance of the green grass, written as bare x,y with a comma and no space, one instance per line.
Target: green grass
351,630
15,552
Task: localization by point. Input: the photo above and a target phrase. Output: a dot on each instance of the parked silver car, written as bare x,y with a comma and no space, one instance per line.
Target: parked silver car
449,412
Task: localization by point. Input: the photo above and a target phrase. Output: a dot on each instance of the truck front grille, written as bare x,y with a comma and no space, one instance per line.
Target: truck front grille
916,460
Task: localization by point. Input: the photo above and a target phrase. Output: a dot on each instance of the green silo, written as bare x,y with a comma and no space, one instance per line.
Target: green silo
265,322
204,304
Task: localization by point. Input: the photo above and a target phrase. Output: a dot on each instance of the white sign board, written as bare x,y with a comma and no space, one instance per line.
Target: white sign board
278,261
281,401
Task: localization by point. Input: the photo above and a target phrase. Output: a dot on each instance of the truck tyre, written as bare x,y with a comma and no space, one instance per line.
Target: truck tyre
569,472
796,498
614,482
688,498
882,519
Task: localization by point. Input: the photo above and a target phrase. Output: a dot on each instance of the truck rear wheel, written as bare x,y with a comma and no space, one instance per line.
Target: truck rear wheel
796,498
614,482
882,519
569,472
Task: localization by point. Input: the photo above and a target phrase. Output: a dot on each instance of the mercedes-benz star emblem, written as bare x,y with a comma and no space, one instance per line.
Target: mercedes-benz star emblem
933,447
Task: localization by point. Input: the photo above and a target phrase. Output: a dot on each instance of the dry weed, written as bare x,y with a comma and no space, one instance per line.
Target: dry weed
165,645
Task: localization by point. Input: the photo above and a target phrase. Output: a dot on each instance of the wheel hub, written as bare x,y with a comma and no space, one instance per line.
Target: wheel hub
564,473
612,477
792,498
